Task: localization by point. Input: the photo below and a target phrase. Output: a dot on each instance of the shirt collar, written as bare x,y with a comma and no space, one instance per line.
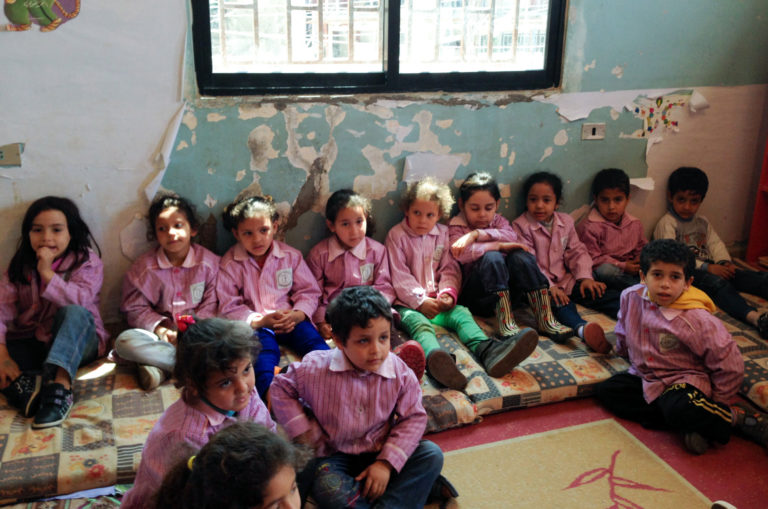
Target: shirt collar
335,249
164,263
340,363
596,217
668,313
240,254
434,231
459,220
214,417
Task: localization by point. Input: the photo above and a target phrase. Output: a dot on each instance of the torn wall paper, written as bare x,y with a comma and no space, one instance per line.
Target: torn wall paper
425,164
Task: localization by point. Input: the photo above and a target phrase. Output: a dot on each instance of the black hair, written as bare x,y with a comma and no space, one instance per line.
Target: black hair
355,306
668,251
479,181
24,261
688,178
610,178
428,189
211,344
232,470
166,201
544,177
247,208
347,198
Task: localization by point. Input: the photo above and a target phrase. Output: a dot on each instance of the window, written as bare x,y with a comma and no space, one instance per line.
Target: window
361,46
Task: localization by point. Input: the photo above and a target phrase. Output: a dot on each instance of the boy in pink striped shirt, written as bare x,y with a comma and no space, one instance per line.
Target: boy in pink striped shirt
370,448
685,368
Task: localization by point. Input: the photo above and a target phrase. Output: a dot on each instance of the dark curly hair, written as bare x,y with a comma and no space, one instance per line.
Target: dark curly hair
246,208
356,306
668,251
688,178
166,201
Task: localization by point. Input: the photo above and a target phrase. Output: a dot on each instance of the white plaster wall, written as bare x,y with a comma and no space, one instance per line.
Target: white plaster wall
91,102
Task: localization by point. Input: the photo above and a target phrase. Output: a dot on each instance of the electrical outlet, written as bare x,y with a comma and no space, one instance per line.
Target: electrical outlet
593,131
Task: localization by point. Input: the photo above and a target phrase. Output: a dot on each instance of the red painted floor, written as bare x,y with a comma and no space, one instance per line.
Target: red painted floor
736,472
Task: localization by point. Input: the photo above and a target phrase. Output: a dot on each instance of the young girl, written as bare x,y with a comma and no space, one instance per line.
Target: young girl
563,259
494,261
427,281
176,278
213,369
243,466
350,258
49,311
267,284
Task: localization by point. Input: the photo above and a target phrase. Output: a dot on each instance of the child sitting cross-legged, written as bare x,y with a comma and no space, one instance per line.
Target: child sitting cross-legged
685,368
360,408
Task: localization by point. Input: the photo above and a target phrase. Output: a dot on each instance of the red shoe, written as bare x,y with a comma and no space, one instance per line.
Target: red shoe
412,354
594,337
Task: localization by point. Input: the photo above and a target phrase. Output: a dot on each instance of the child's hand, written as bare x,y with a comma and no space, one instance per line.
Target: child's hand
324,328
725,271
376,479
506,247
9,370
631,267
445,302
429,308
165,334
286,320
558,296
595,288
464,242
45,257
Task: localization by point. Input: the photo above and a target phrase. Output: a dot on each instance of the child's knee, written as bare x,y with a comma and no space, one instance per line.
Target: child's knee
332,488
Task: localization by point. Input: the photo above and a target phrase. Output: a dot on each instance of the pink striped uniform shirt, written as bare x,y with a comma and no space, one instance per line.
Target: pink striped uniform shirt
668,346
607,242
155,291
355,411
248,292
421,266
336,268
561,256
27,311
487,240
179,433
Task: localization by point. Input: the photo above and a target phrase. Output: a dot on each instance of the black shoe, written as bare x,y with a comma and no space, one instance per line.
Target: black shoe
500,357
762,325
24,393
751,423
442,492
55,404
442,367
695,443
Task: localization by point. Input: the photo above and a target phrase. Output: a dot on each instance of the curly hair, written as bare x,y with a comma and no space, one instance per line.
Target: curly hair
668,251
166,201
429,189
355,306
247,208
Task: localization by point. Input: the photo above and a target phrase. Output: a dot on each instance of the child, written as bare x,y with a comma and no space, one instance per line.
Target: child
427,280
370,449
714,273
242,466
563,259
213,369
494,262
267,284
49,311
613,238
350,258
684,365
176,278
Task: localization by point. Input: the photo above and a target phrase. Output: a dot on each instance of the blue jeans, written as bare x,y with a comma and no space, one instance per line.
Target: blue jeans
614,277
335,484
725,292
494,272
74,344
303,339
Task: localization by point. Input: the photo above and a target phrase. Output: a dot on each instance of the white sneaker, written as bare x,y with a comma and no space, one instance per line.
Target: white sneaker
150,377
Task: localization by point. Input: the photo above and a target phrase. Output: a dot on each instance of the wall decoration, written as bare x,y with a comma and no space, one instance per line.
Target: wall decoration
48,14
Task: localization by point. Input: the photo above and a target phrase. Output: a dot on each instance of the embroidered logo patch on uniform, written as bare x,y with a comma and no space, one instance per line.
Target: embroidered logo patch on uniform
437,254
284,278
366,272
668,342
196,291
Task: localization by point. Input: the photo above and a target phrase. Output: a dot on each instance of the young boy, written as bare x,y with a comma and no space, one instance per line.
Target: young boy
365,417
613,237
685,367
714,274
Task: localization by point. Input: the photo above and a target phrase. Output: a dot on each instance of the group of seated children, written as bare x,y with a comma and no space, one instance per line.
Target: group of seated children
262,294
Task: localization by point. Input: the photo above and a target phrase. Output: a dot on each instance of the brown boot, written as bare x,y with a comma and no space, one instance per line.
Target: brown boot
442,367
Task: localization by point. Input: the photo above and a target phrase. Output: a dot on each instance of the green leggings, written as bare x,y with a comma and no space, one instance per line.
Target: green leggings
458,319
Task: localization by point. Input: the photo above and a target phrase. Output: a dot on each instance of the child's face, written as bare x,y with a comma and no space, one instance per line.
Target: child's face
50,231
174,234
665,282
231,389
367,348
685,203
423,216
282,492
255,234
349,226
541,201
611,204
479,209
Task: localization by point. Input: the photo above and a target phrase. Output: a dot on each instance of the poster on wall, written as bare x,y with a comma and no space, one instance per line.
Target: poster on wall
47,14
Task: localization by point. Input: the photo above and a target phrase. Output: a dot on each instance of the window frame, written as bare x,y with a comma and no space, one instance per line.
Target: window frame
388,81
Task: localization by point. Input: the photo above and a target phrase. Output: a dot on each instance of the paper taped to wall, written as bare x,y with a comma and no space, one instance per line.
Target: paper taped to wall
441,167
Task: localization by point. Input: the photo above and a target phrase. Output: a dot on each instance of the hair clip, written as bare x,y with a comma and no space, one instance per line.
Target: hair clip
184,321
190,463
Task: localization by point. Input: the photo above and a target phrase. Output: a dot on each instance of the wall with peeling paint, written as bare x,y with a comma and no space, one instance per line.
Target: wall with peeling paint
93,117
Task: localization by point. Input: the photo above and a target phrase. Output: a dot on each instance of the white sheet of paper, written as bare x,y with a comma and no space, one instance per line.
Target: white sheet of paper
441,167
